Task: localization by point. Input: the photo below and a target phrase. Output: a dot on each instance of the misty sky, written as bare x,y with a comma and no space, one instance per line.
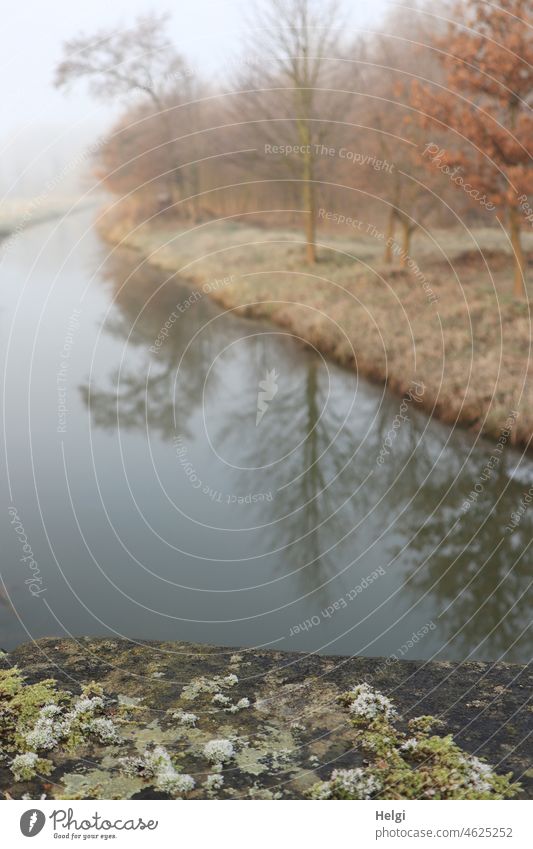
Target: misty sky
38,121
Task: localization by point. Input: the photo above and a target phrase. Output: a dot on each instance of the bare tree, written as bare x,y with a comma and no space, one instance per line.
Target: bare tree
120,62
395,55
293,41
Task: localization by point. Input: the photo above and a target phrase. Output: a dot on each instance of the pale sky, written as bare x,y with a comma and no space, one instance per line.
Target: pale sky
35,116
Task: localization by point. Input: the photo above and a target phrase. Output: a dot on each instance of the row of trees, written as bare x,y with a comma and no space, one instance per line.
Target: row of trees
422,121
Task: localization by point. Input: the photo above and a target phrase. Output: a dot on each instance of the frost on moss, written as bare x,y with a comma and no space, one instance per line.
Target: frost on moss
219,751
416,765
202,684
367,703
214,782
103,729
27,766
39,717
347,784
221,699
156,767
228,706
183,754
184,718
242,704
82,721
21,703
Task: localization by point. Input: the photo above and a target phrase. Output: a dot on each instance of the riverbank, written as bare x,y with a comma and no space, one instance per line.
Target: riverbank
447,320
167,720
17,215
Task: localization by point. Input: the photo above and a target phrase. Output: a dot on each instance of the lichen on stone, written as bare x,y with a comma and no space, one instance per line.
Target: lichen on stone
25,767
40,717
347,784
202,684
156,767
242,704
184,717
219,751
214,782
418,766
221,699
133,737
367,703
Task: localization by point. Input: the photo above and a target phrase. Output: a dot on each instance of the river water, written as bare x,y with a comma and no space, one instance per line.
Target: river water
143,498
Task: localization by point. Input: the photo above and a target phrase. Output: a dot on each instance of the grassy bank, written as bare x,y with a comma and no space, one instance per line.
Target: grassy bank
17,215
447,319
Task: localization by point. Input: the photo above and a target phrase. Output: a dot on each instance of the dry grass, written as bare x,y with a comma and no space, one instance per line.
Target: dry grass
470,347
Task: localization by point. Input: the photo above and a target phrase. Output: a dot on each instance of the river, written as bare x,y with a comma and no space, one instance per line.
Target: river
154,490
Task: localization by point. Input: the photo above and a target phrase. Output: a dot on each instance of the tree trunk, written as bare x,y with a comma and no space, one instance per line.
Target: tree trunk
310,223
194,192
389,235
173,177
308,194
303,103
519,258
406,241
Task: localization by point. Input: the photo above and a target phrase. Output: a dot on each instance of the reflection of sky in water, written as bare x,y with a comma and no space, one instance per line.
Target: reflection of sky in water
238,533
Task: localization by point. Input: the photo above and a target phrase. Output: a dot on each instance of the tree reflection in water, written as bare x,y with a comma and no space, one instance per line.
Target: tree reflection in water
142,397
335,514
478,571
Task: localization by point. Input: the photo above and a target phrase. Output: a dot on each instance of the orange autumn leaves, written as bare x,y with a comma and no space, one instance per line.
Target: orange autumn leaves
482,113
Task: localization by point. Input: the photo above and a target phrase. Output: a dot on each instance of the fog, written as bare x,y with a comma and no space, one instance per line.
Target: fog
42,129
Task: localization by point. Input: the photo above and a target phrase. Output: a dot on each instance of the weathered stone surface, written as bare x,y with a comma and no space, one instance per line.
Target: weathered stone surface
293,733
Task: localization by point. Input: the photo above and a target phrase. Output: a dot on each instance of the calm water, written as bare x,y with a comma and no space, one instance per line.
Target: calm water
155,507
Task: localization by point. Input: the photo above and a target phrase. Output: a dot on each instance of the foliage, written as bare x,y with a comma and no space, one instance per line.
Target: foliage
485,103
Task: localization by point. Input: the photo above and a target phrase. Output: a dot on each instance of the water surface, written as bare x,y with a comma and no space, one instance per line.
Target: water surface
155,506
